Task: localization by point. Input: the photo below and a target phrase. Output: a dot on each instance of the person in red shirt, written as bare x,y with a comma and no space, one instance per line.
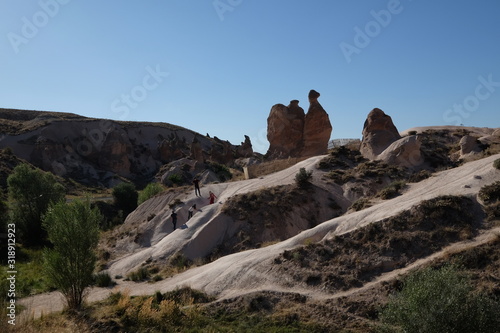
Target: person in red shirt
212,197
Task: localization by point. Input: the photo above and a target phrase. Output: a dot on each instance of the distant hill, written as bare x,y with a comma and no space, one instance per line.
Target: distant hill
100,152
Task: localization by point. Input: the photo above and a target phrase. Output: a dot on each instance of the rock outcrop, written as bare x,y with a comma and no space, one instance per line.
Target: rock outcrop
292,133
379,133
317,128
285,127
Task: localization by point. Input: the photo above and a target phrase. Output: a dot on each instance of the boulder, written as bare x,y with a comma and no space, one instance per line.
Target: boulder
469,145
379,133
404,152
285,126
317,128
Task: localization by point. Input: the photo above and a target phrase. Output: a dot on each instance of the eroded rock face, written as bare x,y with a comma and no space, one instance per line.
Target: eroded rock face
405,152
114,154
379,133
292,133
317,128
469,144
285,126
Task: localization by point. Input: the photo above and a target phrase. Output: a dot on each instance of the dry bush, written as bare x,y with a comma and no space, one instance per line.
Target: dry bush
351,259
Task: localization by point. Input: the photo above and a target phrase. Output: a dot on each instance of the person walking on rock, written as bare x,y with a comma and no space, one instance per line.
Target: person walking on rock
212,197
174,218
191,211
196,183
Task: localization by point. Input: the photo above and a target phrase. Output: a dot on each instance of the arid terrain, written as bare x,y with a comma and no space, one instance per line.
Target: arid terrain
324,255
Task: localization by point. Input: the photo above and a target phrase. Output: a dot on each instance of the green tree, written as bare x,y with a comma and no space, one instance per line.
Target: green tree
125,196
32,191
441,300
149,191
303,178
73,229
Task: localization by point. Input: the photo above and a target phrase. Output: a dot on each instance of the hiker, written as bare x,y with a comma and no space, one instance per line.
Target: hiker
196,183
212,197
174,218
191,211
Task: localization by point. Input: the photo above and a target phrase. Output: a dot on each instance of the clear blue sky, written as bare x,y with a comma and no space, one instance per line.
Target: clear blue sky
218,67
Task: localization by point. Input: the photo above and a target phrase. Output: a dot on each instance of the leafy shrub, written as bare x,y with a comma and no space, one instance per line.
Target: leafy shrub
32,192
103,280
490,193
149,191
440,300
303,178
175,178
496,163
220,170
73,229
125,196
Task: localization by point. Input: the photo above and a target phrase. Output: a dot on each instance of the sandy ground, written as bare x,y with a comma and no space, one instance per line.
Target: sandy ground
249,271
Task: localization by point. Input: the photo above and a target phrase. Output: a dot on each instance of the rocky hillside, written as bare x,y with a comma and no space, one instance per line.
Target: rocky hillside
102,152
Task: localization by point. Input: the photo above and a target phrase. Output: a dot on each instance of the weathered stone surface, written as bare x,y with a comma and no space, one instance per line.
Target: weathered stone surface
404,152
317,128
285,126
197,151
469,145
245,149
114,154
291,133
379,133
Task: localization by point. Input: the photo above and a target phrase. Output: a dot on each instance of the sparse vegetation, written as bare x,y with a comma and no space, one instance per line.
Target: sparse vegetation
149,191
360,204
125,196
303,178
392,190
490,193
496,163
220,170
141,274
441,300
103,279
349,260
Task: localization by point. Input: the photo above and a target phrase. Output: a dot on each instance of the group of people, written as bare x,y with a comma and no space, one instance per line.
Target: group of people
173,216
212,197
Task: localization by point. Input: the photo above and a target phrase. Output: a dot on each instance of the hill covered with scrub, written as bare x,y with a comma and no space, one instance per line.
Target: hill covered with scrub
329,243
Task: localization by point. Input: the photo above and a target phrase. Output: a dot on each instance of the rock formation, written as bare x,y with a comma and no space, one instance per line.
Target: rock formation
292,133
469,145
379,133
317,128
285,127
405,152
